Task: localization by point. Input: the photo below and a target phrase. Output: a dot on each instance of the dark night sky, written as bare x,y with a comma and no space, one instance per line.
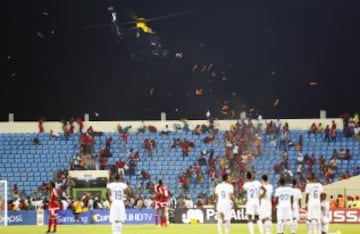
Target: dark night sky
266,49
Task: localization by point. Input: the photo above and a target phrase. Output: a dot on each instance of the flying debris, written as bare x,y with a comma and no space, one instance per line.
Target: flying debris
12,75
276,102
178,55
39,34
198,92
152,90
225,108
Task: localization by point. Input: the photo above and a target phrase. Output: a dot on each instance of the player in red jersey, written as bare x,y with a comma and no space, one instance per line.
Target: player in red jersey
53,208
164,200
157,203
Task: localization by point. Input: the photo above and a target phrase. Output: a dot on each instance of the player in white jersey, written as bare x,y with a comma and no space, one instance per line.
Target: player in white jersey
116,195
325,211
252,188
296,193
225,200
313,190
266,192
284,202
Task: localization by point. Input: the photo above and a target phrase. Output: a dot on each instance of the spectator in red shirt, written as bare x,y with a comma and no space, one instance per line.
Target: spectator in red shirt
240,183
333,135
81,124
333,125
120,167
184,181
152,129
41,127
72,127
185,149
333,132
103,163
124,137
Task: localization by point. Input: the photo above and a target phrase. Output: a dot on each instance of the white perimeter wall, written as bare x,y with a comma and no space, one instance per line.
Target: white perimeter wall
111,126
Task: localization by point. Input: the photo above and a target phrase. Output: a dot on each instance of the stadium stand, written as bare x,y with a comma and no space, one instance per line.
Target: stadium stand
29,163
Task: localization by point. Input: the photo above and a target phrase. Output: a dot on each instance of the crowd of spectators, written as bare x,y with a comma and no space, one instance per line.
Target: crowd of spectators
242,143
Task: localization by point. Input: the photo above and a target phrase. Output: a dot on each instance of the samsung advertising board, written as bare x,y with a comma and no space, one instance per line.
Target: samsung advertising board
67,217
99,216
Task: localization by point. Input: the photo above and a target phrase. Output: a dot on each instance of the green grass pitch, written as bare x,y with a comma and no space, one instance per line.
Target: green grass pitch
151,229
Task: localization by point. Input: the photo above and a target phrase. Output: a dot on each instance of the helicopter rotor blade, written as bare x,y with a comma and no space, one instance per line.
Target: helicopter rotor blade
128,23
97,26
169,16
129,13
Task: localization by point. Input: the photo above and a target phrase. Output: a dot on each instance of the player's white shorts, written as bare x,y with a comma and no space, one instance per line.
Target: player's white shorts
284,212
296,213
117,212
314,211
225,208
252,207
325,224
265,209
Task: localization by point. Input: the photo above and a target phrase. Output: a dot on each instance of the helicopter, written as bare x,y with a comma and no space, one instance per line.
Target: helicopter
142,38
